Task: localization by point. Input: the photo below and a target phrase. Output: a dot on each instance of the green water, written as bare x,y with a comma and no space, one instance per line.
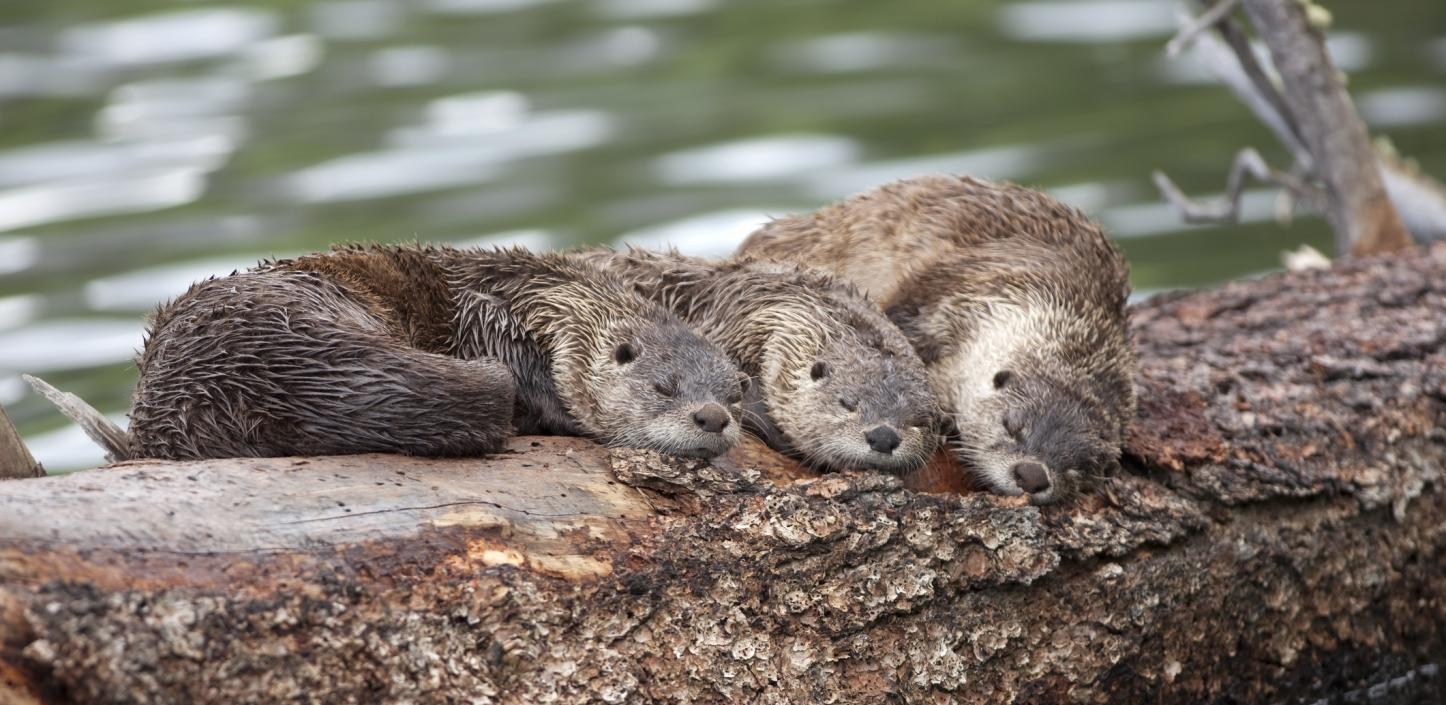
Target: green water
146,143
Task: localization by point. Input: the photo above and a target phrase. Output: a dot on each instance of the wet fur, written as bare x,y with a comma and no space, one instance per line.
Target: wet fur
777,321
557,322
289,362
988,277
409,349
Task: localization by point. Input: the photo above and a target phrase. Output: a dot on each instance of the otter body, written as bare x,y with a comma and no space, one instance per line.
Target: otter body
835,383
427,351
282,360
1015,302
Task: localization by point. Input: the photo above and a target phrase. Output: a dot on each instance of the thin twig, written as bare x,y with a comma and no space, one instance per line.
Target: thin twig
1227,208
1194,27
1266,89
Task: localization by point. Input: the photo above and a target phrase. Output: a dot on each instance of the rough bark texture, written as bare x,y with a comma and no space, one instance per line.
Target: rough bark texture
1364,220
1278,534
15,459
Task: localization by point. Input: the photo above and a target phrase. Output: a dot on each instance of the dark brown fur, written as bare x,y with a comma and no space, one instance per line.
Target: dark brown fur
295,360
986,279
416,350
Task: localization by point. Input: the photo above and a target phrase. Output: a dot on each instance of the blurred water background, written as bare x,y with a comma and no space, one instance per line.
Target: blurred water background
148,143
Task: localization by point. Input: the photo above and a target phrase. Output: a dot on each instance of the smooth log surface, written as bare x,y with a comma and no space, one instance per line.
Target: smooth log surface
1279,534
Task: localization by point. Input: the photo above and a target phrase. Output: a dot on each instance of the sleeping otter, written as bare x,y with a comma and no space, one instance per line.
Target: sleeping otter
420,350
1015,302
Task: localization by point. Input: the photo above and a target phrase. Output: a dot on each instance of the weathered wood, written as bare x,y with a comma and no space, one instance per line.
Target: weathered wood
1418,199
1360,212
1278,534
16,462
97,427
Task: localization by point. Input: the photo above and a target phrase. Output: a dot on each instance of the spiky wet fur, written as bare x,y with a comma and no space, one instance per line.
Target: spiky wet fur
776,322
984,278
377,349
284,361
574,317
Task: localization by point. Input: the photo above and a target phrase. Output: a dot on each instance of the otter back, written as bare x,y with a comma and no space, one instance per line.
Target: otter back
294,359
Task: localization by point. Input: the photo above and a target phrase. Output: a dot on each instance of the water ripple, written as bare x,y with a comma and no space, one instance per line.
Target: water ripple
714,234
68,344
185,35
1087,21
131,193
757,159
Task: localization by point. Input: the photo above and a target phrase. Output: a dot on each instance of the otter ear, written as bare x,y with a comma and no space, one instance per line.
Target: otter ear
1002,378
625,353
819,371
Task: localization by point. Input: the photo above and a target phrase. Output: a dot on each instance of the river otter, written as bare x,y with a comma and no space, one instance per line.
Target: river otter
837,384
1015,302
424,351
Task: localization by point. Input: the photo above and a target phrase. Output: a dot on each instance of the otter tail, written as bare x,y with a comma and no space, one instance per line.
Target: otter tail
103,431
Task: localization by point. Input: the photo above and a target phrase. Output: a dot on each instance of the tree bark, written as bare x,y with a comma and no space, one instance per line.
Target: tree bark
1278,534
1360,212
16,462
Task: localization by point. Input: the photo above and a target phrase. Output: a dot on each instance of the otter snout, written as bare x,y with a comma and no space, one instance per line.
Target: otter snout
883,439
1032,477
712,418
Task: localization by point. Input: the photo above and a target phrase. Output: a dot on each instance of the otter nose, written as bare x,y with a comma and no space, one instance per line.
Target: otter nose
712,418
1031,477
882,439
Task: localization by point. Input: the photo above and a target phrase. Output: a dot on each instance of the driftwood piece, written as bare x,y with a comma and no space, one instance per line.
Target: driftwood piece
1278,534
1373,201
1364,220
16,462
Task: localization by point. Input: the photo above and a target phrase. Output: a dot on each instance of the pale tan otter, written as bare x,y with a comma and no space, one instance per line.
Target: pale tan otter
836,384
1015,302
423,351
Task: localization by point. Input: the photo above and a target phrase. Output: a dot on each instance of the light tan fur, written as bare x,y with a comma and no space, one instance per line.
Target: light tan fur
992,283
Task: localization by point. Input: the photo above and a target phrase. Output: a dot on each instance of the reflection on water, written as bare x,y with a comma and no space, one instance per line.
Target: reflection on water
759,159
1100,21
708,235
142,150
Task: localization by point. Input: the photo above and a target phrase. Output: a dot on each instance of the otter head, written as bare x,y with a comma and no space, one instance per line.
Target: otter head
1026,432
659,385
853,406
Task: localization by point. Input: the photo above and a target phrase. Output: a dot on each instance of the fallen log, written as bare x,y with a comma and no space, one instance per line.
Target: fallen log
1278,535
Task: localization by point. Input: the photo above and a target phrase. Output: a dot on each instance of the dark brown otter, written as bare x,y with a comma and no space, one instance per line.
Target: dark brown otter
424,351
1015,302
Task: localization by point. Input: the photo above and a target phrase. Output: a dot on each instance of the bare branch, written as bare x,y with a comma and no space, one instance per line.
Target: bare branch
1266,88
1227,208
1360,213
1232,60
1194,27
